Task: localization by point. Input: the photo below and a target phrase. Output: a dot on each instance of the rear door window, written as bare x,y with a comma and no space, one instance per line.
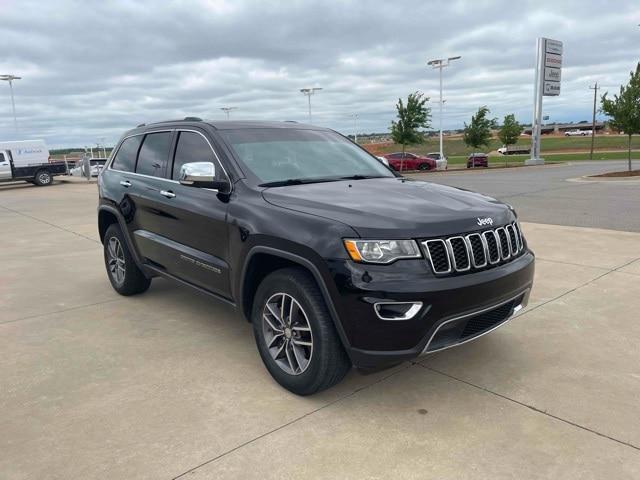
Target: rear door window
126,157
154,154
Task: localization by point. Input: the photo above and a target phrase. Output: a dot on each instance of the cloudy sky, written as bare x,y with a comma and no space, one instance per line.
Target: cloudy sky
92,69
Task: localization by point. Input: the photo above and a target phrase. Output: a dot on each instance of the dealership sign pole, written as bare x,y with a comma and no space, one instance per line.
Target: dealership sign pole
547,84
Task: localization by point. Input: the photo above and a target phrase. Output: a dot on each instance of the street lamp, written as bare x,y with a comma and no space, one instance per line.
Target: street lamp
355,127
308,92
227,110
10,79
440,63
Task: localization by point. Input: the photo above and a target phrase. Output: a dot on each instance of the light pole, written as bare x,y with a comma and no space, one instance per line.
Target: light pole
10,79
355,127
227,110
308,92
440,63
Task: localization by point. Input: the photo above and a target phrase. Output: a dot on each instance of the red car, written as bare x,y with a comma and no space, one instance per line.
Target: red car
410,162
477,160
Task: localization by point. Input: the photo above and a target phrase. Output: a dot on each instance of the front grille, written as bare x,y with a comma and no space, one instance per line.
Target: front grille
478,252
491,242
459,254
505,251
438,255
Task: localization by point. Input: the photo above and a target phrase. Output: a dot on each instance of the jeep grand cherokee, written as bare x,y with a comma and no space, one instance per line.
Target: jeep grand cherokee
335,260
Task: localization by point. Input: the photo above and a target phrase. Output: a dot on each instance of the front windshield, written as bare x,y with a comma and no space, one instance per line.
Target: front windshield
280,154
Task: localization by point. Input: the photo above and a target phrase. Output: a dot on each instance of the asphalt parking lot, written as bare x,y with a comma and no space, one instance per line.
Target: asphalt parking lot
543,194
169,384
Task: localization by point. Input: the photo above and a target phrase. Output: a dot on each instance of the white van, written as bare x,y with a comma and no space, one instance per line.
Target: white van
28,160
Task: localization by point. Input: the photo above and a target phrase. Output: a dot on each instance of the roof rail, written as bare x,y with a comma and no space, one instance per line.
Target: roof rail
192,119
141,125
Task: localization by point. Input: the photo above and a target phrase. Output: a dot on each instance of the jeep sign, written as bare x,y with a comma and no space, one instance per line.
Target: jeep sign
552,67
547,84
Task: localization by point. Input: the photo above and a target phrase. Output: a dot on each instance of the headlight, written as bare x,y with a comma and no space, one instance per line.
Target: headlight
381,251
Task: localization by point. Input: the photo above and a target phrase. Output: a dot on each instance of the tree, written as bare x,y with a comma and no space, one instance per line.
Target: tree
411,117
624,108
478,132
510,130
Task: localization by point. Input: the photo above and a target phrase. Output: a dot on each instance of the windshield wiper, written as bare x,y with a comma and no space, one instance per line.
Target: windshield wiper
297,181
362,177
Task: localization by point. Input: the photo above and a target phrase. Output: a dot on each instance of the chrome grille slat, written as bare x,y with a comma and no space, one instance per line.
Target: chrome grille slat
461,261
493,247
503,243
478,251
512,239
474,251
434,249
516,226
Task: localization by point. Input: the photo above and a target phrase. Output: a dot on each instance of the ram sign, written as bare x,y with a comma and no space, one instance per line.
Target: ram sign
552,67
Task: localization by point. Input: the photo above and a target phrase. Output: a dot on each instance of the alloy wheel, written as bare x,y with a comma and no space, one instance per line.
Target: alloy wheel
115,260
287,333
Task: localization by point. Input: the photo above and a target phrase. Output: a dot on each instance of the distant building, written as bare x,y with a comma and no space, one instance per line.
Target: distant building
563,127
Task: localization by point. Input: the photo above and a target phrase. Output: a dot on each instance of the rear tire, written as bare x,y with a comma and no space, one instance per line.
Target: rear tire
125,276
298,343
43,178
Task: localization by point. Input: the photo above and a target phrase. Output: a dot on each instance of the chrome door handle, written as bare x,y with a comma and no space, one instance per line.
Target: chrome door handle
125,183
167,193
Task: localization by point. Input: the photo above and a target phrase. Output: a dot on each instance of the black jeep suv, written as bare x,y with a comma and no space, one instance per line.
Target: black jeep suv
335,259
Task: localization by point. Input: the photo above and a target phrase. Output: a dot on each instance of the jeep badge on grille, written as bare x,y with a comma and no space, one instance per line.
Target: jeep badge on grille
485,221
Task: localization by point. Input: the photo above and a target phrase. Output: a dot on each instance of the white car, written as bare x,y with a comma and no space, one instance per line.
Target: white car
441,162
577,133
97,164
383,160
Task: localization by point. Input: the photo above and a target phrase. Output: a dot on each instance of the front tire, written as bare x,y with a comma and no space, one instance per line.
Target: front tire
295,335
424,167
43,178
125,276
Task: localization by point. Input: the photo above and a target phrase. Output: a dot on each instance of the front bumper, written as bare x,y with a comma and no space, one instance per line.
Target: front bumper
454,309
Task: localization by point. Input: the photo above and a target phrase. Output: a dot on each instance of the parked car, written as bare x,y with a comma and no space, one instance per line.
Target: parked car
334,259
578,133
441,161
477,160
410,161
514,150
383,160
28,160
97,164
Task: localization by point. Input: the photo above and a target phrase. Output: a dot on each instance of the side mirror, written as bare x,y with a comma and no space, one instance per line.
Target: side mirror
203,175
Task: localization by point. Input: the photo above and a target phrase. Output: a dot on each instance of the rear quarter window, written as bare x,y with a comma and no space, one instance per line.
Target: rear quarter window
125,159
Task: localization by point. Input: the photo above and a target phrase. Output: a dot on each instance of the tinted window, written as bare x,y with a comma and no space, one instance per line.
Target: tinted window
192,147
126,157
154,154
1,157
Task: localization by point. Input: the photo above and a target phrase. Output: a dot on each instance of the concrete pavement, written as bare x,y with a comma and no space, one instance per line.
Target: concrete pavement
169,383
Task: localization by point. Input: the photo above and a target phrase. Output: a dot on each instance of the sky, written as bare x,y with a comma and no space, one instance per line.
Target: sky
93,69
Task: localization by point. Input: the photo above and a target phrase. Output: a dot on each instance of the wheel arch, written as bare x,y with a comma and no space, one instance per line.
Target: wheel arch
261,261
107,216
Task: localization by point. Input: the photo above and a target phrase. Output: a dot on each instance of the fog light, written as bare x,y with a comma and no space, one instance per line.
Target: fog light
397,310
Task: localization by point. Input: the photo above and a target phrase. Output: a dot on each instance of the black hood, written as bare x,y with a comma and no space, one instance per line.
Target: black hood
383,208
